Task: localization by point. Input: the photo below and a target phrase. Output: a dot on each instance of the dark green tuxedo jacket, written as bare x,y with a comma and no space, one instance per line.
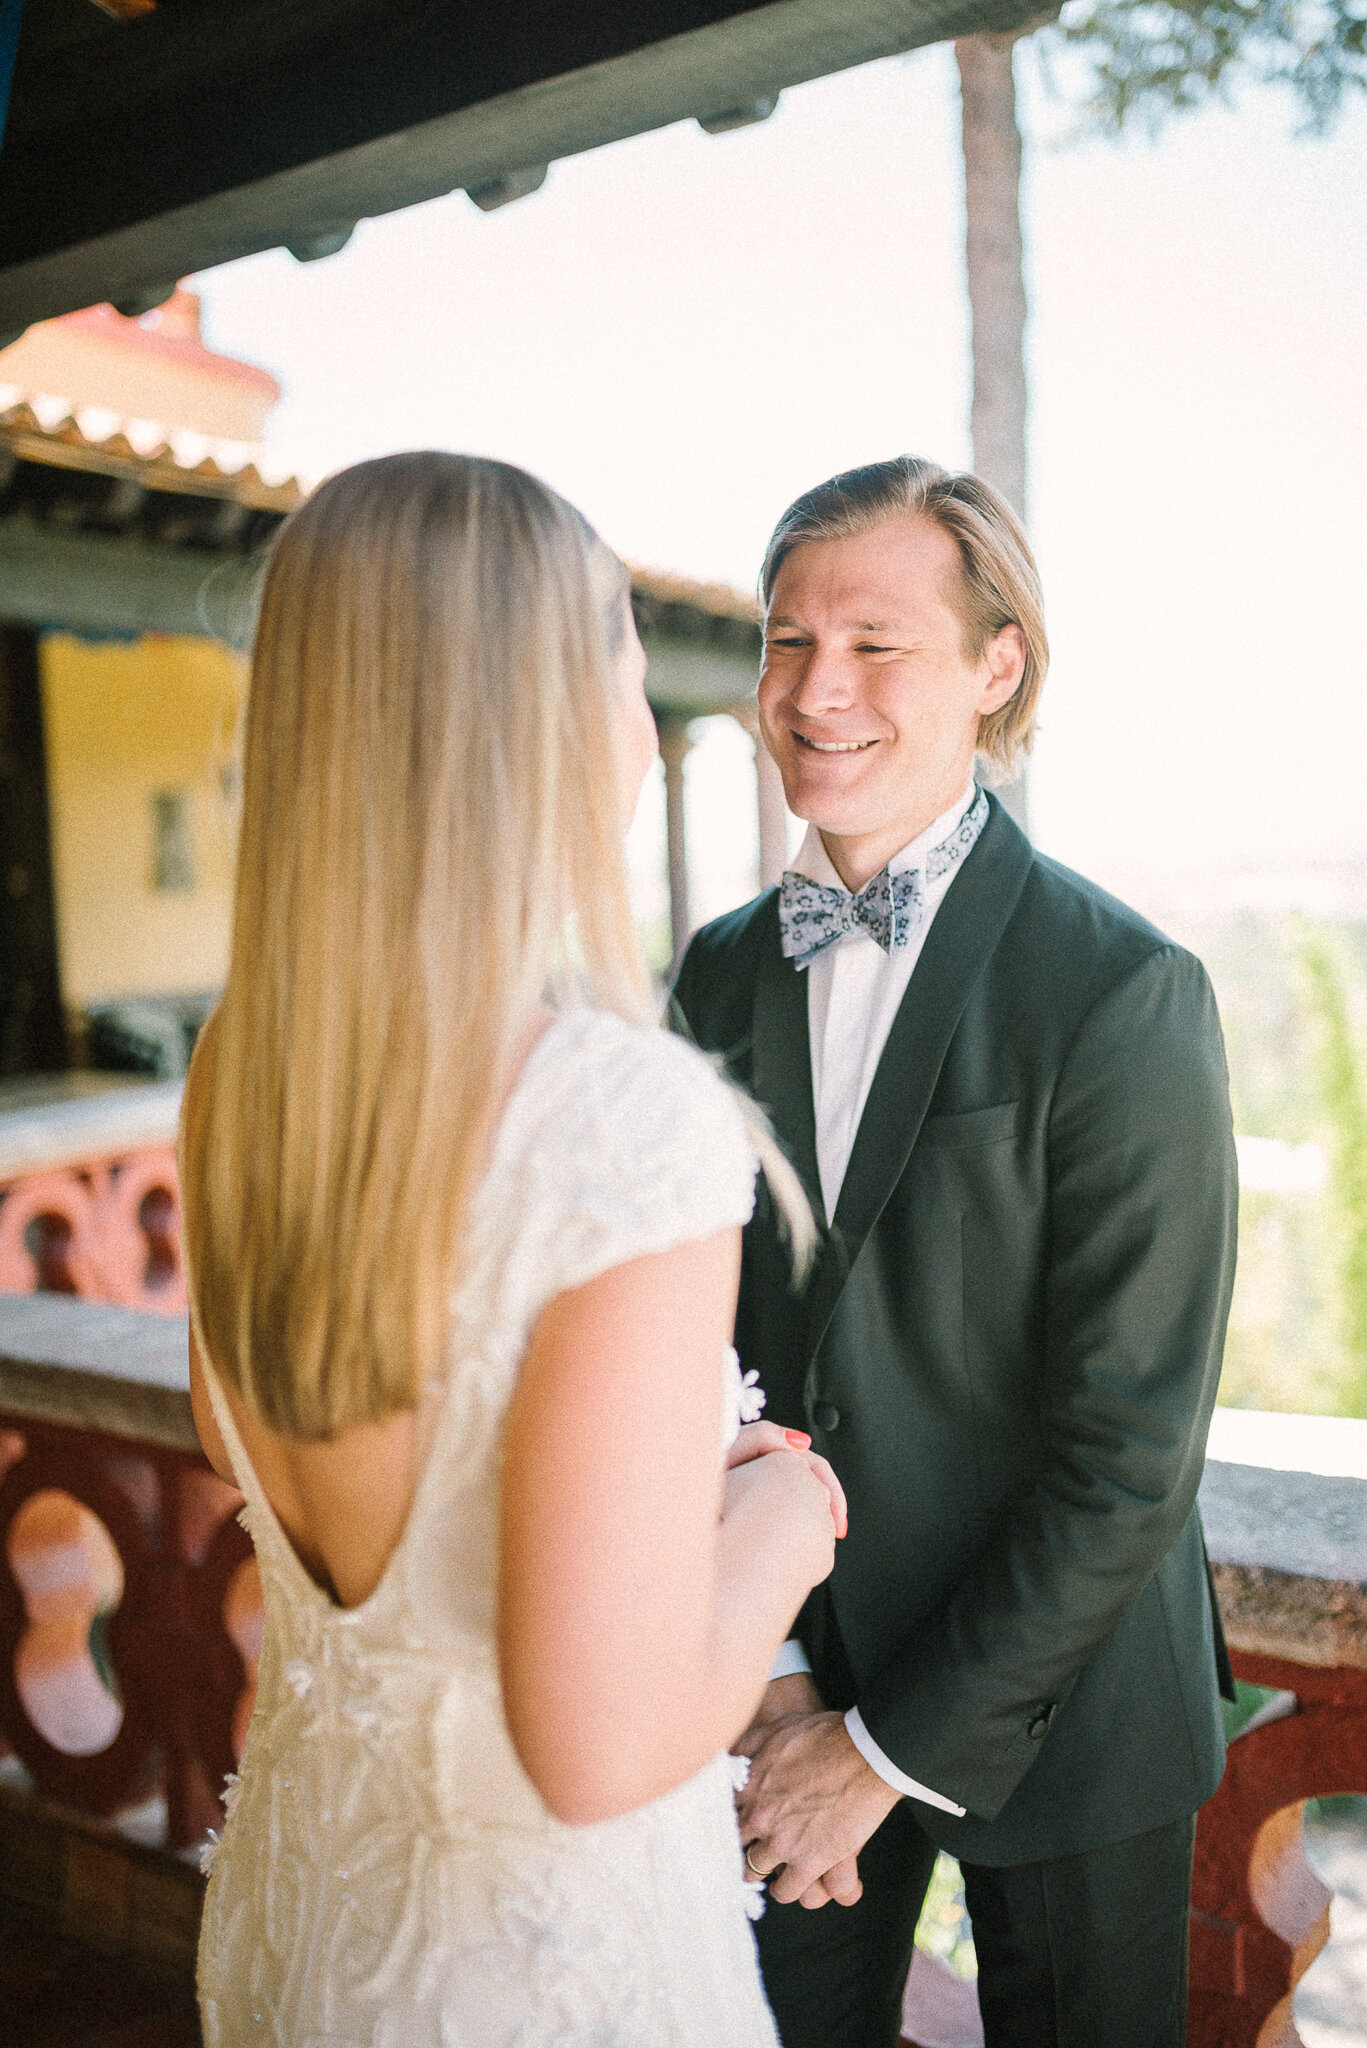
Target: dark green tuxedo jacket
1008,1347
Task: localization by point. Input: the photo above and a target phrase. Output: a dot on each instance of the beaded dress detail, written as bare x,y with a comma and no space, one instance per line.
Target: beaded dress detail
388,1875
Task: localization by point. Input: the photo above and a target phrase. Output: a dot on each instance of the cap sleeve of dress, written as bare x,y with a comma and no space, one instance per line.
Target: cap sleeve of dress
650,1149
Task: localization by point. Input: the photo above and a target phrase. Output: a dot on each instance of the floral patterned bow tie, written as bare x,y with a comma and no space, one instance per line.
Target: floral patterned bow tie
811,917
889,908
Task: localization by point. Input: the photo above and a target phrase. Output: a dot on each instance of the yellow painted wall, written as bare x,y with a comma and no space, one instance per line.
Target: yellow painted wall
122,724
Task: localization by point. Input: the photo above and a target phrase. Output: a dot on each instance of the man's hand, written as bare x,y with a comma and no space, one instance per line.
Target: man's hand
812,1802
789,1698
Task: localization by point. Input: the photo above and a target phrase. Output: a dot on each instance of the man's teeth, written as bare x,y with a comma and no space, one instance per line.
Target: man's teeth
836,746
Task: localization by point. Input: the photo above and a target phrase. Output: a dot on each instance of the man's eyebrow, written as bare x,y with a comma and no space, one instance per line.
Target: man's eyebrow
851,625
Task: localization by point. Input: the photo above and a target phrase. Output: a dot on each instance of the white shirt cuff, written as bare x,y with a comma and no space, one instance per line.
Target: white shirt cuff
887,1769
791,1657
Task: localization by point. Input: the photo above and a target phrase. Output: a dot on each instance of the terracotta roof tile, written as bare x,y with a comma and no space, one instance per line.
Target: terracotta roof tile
64,444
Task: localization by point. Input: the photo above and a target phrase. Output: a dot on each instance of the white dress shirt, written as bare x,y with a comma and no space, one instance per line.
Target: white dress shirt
854,991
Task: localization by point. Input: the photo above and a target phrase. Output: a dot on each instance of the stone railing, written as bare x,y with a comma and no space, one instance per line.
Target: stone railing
1284,1502
89,1199
130,1625
130,1609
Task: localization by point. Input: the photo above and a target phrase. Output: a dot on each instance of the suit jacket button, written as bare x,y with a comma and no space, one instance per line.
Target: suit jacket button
1039,1727
826,1415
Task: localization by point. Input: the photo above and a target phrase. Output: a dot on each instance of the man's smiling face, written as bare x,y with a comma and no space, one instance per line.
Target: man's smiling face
869,703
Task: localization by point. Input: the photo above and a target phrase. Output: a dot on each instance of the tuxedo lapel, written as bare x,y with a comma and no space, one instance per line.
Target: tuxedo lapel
961,941
782,1062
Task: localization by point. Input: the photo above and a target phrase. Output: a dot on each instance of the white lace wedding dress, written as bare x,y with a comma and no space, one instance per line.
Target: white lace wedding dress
388,1875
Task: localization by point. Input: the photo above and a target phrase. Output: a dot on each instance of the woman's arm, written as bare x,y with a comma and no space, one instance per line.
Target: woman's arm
637,1621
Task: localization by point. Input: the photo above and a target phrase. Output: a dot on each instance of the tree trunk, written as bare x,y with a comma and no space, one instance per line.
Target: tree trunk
995,261
996,279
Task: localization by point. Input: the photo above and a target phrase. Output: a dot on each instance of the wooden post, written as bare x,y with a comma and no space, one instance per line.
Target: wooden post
32,1027
674,746
769,802
773,818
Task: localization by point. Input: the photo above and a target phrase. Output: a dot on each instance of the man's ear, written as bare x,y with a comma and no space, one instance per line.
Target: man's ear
1004,666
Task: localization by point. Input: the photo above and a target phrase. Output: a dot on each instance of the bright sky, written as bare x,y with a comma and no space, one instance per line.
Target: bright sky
681,332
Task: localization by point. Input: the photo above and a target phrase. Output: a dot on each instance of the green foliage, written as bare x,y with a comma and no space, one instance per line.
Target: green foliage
1238,1712
1149,59
1293,1002
1282,1352
1342,1073
1339,1810
943,1930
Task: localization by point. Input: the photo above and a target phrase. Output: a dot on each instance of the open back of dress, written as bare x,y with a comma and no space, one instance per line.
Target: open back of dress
388,1875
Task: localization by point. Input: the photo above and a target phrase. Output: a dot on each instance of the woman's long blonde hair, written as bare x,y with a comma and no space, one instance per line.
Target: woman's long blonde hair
430,783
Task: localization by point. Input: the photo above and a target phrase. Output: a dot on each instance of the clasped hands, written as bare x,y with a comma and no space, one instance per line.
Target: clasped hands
811,1802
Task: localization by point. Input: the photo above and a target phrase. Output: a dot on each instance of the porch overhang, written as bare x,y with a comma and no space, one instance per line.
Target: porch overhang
139,151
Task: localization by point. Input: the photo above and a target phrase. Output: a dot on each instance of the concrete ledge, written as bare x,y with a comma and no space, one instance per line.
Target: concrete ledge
1288,1547
1284,1503
83,1117
1296,1523
90,1365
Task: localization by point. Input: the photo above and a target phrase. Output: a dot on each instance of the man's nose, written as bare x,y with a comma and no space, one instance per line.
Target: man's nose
825,683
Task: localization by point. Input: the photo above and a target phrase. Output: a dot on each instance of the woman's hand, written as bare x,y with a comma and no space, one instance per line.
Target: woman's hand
777,1504
757,1439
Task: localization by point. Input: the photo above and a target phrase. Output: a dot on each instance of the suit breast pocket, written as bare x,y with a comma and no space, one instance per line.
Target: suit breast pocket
995,1125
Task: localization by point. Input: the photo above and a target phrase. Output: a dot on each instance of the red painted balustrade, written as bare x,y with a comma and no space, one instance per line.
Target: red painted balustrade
108,1230
1260,1913
89,1194
1289,1549
130,1626
129,1602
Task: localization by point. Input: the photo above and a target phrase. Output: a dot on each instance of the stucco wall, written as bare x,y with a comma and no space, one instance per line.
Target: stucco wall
125,725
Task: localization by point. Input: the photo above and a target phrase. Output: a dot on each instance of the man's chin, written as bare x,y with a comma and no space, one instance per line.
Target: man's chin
832,802
831,822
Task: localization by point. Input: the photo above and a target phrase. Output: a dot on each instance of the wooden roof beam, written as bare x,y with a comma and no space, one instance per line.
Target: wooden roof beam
210,129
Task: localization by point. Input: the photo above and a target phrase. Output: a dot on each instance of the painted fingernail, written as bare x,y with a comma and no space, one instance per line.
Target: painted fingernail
798,1439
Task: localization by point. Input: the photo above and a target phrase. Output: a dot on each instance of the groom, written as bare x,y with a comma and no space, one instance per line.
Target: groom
1006,1094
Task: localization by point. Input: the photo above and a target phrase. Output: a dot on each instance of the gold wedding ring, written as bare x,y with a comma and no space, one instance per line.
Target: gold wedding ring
753,1867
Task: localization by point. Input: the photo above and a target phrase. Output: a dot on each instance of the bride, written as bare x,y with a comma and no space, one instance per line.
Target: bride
463,1264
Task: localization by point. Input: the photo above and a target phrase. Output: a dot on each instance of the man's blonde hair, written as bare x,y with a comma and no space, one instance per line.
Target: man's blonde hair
429,793
999,584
